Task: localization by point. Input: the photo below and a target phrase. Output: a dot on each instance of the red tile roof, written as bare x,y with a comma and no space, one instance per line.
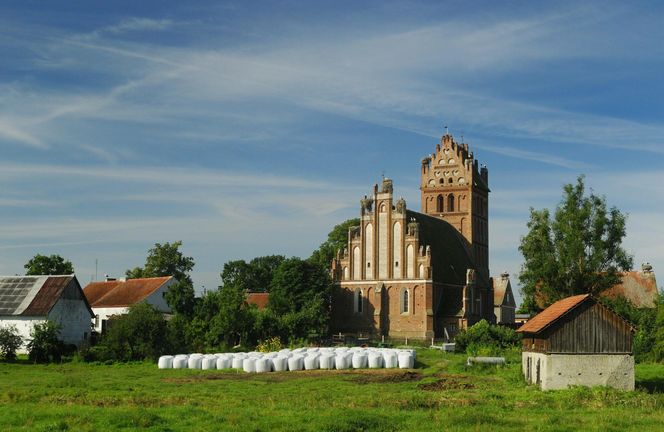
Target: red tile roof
260,299
638,287
119,293
553,313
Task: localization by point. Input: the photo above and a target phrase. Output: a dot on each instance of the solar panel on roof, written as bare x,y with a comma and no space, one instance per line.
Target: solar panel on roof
13,291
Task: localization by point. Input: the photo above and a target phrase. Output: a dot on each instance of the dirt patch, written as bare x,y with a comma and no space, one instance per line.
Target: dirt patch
389,377
448,382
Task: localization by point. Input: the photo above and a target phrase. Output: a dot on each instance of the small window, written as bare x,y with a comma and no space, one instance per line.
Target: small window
96,320
163,295
404,301
396,263
368,265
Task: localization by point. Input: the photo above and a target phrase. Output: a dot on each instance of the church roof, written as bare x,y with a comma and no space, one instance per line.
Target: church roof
36,295
450,254
122,293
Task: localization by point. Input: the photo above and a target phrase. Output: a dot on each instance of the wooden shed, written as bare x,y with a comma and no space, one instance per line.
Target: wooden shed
578,341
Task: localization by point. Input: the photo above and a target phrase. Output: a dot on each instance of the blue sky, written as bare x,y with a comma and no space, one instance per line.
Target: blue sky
251,128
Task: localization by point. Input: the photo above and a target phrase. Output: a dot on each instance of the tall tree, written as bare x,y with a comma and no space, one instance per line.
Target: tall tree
168,260
336,239
255,275
48,265
578,251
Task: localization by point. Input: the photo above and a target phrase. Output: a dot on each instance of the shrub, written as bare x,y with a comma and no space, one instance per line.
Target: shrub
269,345
45,345
10,342
486,338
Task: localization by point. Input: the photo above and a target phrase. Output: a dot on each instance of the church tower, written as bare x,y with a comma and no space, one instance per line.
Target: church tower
454,188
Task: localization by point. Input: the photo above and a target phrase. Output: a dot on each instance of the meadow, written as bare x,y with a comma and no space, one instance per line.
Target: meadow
439,394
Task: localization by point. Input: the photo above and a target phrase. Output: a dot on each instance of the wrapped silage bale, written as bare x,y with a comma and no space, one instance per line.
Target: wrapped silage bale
406,360
326,361
280,363
263,365
209,362
195,362
165,362
238,362
375,360
295,363
271,355
359,360
249,364
390,360
342,361
180,362
311,362
224,362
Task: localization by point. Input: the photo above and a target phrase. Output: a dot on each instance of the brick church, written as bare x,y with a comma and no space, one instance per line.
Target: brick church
419,274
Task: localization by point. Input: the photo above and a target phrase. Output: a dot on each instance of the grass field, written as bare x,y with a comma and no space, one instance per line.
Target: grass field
439,395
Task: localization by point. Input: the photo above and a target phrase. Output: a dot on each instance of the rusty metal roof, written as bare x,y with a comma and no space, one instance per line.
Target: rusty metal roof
36,295
122,293
260,299
638,287
552,314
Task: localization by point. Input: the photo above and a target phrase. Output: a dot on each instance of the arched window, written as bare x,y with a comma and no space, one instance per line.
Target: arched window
404,301
450,203
451,180
439,204
359,301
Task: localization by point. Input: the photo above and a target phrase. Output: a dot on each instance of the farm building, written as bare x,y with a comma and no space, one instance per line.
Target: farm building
29,300
639,287
504,305
578,341
114,296
260,299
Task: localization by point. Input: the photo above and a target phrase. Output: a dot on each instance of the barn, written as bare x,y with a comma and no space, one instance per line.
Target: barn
113,297
28,300
578,341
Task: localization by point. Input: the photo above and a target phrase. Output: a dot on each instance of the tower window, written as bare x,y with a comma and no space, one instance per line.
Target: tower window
439,204
451,180
450,203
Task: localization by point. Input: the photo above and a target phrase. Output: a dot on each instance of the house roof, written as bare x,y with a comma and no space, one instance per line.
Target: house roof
501,285
552,314
260,299
638,287
122,293
36,295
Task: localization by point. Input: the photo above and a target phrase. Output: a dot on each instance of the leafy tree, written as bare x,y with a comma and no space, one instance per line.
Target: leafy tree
10,342
658,343
300,296
578,251
336,239
139,334
644,321
255,275
233,322
48,265
168,260
45,345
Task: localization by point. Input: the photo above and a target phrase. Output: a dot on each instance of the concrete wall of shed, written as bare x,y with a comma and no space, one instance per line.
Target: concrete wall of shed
559,371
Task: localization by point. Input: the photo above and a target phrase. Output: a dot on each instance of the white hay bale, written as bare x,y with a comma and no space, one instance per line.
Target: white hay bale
224,362
311,362
238,362
263,365
326,361
209,362
359,360
280,363
342,361
165,362
249,364
406,360
180,362
390,360
375,360
195,362
295,363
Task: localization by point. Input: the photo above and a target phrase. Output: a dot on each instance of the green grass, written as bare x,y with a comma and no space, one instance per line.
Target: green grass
439,395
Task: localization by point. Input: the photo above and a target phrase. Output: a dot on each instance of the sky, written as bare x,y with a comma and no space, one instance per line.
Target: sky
252,128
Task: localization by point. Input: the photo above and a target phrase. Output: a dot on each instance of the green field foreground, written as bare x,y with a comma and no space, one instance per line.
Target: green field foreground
440,394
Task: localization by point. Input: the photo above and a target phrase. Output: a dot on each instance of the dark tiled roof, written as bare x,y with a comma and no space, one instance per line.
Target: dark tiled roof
260,299
637,287
36,295
120,293
553,313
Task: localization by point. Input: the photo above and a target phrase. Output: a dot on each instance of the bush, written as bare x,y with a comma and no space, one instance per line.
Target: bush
269,345
10,342
138,335
485,338
45,346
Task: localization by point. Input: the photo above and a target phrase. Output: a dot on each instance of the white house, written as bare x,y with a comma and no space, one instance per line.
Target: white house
114,296
28,300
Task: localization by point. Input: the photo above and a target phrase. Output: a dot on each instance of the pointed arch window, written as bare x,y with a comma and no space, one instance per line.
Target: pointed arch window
439,204
450,203
358,302
405,297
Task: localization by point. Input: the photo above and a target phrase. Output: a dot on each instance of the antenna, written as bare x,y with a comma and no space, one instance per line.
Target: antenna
446,131
96,267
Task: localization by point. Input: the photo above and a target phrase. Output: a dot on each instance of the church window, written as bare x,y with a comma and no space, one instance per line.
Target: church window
451,161
404,301
439,204
450,203
368,265
359,301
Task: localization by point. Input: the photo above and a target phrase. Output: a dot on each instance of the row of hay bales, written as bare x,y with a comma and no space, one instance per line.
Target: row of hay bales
296,359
